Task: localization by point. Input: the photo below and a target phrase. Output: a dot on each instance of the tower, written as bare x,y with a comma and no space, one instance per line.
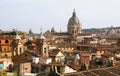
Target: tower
43,47
74,26
53,30
17,45
30,33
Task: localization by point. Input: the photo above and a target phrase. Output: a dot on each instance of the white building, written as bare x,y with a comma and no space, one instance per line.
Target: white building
6,62
68,69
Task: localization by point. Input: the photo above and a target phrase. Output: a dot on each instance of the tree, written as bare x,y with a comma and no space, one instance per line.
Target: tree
10,68
3,73
15,73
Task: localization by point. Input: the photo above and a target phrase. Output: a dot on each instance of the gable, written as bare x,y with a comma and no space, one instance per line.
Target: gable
60,54
69,69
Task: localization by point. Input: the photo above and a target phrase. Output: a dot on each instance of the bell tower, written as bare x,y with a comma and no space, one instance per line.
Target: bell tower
43,47
17,45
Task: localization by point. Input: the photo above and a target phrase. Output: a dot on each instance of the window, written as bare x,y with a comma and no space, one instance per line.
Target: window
6,41
5,55
75,31
44,50
0,49
5,49
0,41
26,68
25,55
72,31
20,50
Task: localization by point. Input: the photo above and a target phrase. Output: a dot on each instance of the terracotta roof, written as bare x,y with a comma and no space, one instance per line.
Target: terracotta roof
88,74
109,71
108,55
103,73
61,34
31,53
5,44
81,52
24,57
45,57
85,54
29,42
111,38
6,38
66,46
55,64
54,52
75,67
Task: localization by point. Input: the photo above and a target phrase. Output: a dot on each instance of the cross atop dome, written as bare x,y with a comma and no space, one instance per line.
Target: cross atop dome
74,13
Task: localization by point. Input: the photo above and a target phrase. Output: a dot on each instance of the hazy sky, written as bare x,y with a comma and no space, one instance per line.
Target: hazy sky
36,14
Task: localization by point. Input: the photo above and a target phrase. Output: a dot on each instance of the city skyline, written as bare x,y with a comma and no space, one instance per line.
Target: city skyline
45,14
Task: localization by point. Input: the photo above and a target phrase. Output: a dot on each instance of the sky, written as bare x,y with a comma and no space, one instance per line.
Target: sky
36,14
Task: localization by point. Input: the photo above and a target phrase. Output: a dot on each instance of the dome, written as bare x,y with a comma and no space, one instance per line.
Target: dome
41,36
74,26
74,19
52,30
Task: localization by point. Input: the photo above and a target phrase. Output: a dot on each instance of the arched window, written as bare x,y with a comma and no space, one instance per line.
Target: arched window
25,55
5,49
0,49
75,32
20,50
44,50
6,55
6,41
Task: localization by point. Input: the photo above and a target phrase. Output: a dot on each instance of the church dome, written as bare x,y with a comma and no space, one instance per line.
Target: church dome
74,26
42,36
74,20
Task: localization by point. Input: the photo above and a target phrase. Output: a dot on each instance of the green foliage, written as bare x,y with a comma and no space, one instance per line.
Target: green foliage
12,33
92,30
3,73
15,73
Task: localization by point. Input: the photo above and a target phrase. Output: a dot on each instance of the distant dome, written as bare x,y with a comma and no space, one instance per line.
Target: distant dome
41,36
52,30
73,20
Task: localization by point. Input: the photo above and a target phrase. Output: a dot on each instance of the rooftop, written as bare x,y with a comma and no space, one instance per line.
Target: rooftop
109,71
